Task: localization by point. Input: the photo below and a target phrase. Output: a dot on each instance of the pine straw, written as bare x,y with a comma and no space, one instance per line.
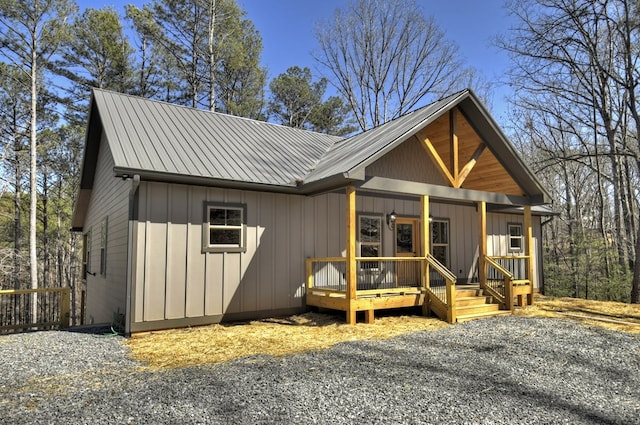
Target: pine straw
215,344
276,337
606,314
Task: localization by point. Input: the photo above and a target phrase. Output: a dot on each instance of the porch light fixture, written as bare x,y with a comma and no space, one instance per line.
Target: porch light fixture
391,219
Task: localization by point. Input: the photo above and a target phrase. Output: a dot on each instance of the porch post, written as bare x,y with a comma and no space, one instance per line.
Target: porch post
482,242
351,253
424,248
528,231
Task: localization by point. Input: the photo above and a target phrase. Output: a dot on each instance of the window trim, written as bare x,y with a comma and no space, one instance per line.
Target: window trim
371,265
104,228
510,237
447,245
206,227
86,254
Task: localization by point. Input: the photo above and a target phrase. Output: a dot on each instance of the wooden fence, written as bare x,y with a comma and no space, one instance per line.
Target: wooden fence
52,311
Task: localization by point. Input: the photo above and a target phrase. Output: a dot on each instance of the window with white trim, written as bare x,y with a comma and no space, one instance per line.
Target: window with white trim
515,237
224,227
370,238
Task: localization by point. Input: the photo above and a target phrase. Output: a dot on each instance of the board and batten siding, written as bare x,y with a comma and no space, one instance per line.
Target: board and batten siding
106,295
176,282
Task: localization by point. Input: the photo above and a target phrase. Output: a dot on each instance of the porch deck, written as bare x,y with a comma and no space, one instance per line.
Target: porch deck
399,282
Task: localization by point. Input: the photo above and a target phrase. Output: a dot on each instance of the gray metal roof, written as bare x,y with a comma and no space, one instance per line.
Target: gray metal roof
166,142
162,138
350,156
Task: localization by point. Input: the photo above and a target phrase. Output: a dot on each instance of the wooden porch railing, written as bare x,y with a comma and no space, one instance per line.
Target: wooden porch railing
53,308
378,276
507,277
441,289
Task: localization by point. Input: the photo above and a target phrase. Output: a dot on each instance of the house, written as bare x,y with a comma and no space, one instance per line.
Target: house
191,217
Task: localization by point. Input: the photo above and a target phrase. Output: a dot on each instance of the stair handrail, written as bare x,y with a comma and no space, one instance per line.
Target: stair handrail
440,268
450,281
507,298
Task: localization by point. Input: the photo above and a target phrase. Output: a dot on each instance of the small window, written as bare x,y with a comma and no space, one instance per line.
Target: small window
103,247
224,228
515,237
370,238
86,254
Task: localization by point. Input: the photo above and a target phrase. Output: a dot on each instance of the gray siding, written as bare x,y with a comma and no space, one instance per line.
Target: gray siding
109,198
175,283
174,279
419,168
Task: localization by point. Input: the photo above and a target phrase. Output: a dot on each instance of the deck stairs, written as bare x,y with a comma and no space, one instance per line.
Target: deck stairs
471,304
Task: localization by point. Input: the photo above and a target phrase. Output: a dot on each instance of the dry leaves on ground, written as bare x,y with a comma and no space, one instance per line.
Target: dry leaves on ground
277,337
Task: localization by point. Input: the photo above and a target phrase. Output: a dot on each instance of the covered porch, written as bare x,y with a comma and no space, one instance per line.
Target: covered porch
353,283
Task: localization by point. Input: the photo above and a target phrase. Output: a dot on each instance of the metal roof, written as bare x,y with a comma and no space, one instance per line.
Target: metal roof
158,137
165,142
350,156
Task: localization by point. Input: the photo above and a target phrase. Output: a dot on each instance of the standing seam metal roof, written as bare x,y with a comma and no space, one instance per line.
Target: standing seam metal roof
155,136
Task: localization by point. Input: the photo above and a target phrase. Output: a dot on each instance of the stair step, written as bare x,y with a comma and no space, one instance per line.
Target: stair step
469,292
471,316
478,308
479,300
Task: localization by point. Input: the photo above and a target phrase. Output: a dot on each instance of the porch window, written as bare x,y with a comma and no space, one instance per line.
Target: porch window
224,228
103,247
440,240
515,237
370,238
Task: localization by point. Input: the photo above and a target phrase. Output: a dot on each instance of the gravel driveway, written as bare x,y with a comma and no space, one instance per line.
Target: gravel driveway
508,370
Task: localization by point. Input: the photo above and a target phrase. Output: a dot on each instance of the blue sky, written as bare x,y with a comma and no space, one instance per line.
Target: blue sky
287,30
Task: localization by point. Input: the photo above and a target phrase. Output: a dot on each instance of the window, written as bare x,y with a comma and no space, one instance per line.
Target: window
224,228
370,237
515,237
86,254
440,241
103,247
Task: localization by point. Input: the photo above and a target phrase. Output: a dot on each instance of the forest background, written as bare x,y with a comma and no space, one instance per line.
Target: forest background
572,110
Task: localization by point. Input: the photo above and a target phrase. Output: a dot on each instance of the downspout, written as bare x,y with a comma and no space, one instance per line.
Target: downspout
135,182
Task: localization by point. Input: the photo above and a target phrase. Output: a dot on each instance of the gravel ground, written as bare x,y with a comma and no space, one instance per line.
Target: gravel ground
508,370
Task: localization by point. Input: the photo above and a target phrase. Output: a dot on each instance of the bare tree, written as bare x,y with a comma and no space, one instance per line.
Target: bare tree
384,57
580,54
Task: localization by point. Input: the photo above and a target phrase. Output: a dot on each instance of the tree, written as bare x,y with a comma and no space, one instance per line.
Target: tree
384,57
575,70
97,54
31,31
294,96
296,101
210,52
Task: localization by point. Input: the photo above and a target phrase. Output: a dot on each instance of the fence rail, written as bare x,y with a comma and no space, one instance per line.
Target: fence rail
53,307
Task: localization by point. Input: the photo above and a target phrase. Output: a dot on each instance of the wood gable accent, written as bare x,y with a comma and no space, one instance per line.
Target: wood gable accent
462,157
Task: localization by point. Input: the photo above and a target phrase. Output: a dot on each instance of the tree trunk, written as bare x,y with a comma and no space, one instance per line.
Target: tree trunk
635,283
33,190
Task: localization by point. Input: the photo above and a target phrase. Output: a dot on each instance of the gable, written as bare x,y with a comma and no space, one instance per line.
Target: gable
464,158
447,152
409,162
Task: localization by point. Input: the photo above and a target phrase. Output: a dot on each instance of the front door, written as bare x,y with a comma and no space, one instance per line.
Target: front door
407,244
